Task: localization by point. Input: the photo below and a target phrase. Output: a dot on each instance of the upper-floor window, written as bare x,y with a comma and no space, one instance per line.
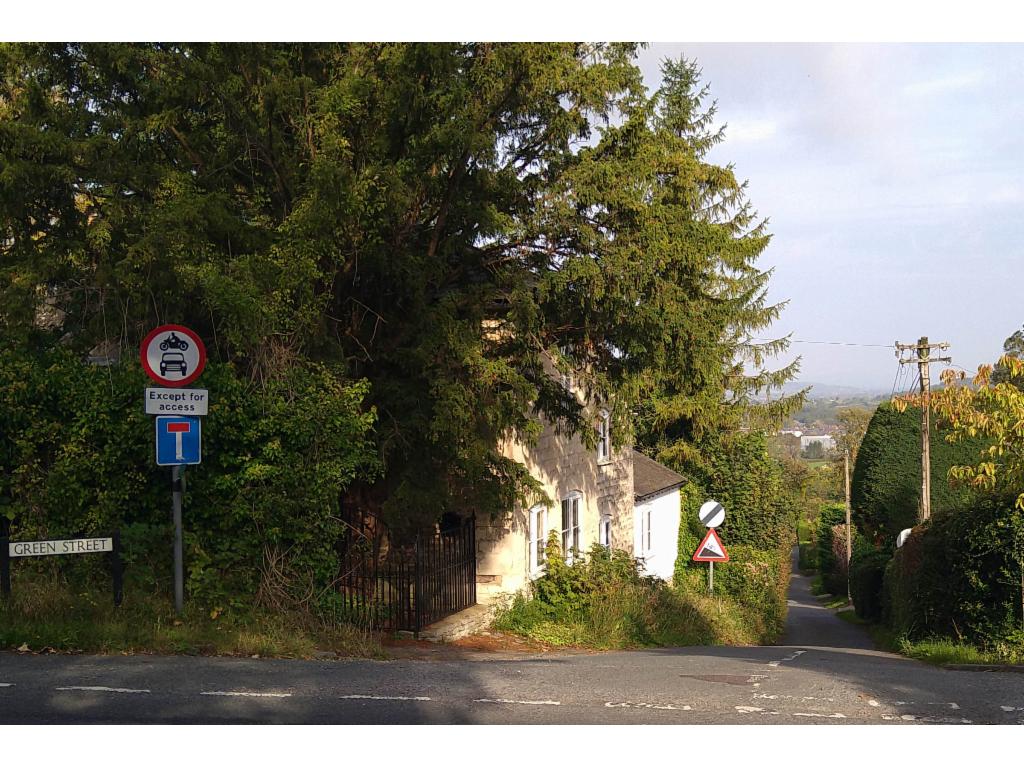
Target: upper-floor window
571,525
604,437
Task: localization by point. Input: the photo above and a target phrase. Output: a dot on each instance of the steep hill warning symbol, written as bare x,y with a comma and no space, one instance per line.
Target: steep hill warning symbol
711,549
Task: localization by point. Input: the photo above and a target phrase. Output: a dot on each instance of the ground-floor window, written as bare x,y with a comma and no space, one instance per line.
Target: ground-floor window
538,536
571,525
604,531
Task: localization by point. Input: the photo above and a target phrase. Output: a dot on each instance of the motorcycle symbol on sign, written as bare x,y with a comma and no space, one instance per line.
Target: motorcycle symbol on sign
173,342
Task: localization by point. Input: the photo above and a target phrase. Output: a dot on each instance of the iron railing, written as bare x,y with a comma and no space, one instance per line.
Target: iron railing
389,586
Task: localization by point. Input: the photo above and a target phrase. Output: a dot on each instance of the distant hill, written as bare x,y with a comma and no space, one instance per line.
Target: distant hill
821,391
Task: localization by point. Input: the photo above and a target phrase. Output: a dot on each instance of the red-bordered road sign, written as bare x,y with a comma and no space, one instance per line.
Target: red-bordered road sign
711,550
173,355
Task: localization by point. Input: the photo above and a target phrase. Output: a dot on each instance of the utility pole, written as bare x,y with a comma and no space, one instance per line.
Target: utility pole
849,531
923,359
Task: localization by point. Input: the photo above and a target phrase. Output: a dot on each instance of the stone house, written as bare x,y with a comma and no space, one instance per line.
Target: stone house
616,497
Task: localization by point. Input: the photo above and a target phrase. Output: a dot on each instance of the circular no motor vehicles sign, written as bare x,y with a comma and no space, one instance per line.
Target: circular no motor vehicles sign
173,355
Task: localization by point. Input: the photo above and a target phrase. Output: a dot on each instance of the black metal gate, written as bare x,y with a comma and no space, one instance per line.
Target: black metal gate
390,586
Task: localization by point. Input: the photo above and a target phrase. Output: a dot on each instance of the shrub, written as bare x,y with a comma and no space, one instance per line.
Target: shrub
867,571
960,576
830,516
757,579
261,511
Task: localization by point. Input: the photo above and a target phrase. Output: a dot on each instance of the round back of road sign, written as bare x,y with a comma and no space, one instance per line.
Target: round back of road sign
173,355
712,514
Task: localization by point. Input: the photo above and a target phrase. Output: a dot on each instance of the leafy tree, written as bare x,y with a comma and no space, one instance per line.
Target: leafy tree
441,220
853,423
993,413
1014,347
814,451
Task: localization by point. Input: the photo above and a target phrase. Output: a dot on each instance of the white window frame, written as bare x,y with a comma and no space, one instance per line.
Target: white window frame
570,528
604,438
538,539
645,530
604,531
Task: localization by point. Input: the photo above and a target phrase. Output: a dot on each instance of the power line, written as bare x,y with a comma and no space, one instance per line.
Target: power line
832,343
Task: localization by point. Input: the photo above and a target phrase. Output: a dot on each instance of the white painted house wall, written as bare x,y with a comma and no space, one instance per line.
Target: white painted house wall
660,549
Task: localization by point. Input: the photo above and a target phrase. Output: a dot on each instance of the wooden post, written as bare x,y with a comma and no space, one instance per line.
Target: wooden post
926,463
849,527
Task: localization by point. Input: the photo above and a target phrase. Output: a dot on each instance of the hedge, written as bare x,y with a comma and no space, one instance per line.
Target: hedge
960,576
261,511
885,489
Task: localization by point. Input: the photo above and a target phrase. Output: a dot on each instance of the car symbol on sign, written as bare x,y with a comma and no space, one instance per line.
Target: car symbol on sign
173,361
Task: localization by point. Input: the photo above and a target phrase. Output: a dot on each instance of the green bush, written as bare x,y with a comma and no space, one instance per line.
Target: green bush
260,513
832,576
885,490
867,571
959,576
757,579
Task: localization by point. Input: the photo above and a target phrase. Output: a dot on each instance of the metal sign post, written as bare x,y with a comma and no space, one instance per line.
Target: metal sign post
174,356
179,565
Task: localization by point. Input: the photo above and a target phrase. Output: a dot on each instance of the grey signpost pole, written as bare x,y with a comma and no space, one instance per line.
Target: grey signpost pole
179,581
711,578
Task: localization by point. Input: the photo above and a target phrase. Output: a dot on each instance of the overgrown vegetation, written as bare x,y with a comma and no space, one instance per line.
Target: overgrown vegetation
262,509
602,601
63,609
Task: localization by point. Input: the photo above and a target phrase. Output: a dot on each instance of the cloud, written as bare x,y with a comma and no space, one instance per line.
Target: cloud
750,130
943,84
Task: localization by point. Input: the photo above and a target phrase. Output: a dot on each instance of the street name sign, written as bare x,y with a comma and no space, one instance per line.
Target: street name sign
189,402
59,547
173,355
178,440
711,549
712,514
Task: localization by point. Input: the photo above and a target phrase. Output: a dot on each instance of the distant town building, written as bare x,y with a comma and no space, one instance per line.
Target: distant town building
828,443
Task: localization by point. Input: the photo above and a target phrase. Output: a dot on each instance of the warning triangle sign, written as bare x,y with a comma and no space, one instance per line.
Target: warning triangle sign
711,549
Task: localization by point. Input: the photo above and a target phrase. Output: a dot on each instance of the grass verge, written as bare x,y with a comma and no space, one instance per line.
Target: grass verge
44,616
937,651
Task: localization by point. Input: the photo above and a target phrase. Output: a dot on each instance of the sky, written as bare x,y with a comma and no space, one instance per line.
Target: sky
892,177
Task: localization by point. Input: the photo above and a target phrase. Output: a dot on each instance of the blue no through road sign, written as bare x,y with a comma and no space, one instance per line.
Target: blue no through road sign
177,440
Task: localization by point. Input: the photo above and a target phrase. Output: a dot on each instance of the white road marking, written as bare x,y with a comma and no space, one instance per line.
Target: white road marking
6,685
645,705
246,693
818,714
102,688
788,658
516,701
785,696
755,711
1012,709
928,719
387,698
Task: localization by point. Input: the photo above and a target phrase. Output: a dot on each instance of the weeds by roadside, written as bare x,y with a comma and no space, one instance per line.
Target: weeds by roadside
44,614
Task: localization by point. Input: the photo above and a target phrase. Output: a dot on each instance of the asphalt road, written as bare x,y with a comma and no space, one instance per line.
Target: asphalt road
825,671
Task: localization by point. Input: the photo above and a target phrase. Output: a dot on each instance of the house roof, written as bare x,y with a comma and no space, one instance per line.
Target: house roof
651,478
